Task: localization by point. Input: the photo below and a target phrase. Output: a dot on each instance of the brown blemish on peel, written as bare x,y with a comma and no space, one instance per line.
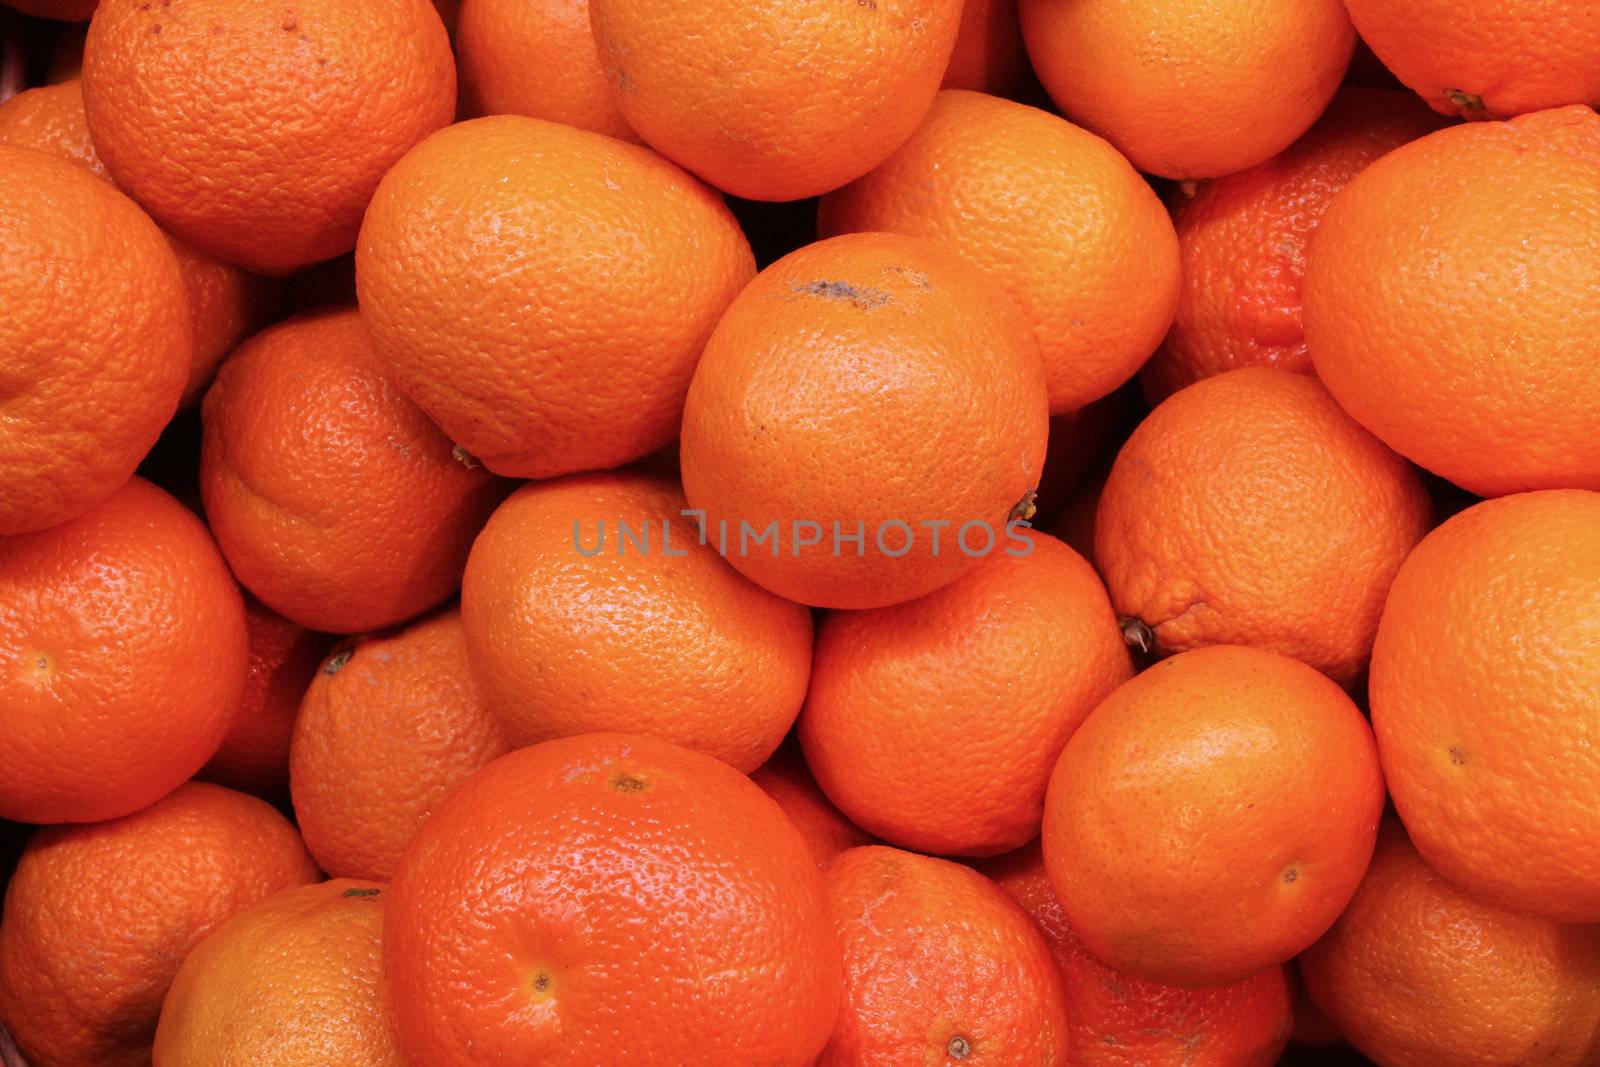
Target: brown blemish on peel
859,296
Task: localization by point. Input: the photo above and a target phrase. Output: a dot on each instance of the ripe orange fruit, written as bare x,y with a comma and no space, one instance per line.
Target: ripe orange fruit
775,101
306,103
94,345
122,656
871,385
50,118
1274,776
1116,1019
335,499
786,779
1248,509
1418,972
98,918
590,606
935,724
1244,241
498,42
988,56
1080,441
1191,88
1052,213
543,292
388,727
1484,59
254,756
290,982
1484,682
1469,344
940,966
610,899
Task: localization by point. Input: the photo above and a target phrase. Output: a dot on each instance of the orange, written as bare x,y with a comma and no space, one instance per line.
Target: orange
290,982
786,779
1080,441
388,727
775,100
1191,88
1074,524
1418,972
988,56
940,966
590,605
334,498
1213,816
122,657
1117,1020
874,387
1469,343
254,756
498,42
94,342
1052,213
610,899
935,724
1248,509
50,118
1484,683
98,918
258,132
1244,240
543,292
1487,58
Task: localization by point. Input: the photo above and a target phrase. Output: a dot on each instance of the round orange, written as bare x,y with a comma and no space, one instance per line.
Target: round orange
1484,682
335,499
940,967
786,779
1469,343
122,657
988,56
871,386
1191,88
1248,509
50,118
1081,441
98,918
543,292
590,606
610,899
258,132
1213,816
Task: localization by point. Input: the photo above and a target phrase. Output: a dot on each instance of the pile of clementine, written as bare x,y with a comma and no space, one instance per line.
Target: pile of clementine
799,533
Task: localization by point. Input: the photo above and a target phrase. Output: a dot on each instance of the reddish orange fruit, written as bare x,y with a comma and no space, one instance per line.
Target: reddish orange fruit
988,56
1275,776
552,912
122,657
50,118
870,386
1080,442
786,779
544,292
940,966
98,918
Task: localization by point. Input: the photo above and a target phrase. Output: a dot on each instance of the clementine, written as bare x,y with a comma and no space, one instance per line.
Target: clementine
988,56
786,779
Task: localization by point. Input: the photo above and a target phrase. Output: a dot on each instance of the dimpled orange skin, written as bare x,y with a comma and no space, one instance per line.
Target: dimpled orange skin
306,103
122,657
543,292
337,502
1191,88
988,56
1213,816
786,779
1249,509
1117,1020
1052,213
610,899
1484,682
865,380
499,41
1244,240
935,724
1470,344
388,727
940,966
290,982
775,100
577,632
50,118
94,342
98,918
1417,972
